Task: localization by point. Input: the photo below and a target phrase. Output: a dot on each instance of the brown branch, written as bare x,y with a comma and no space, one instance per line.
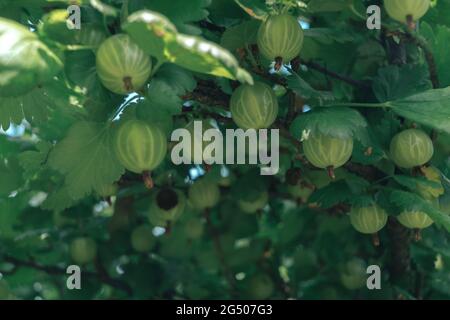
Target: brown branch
400,239
219,250
328,72
271,77
53,270
432,69
422,44
208,93
211,26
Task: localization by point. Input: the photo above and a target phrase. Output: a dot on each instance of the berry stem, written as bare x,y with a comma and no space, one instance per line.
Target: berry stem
207,167
168,228
108,200
128,84
417,235
278,63
410,22
376,239
330,171
148,181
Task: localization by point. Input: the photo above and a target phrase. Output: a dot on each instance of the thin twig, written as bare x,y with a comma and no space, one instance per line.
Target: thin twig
328,72
54,270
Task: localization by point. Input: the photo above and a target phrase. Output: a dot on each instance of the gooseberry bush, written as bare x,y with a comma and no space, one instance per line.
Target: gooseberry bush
87,177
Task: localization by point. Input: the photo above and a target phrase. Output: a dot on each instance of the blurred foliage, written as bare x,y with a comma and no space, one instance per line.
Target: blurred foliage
61,181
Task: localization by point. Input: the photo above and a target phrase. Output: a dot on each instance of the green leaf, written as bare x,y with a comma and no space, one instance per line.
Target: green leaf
438,40
54,27
149,30
304,89
337,122
317,6
332,194
9,214
441,282
154,114
25,62
86,158
34,160
181,12
180,80
81,69
396,82
255,8
59,200
412,182
35,106
8,146
157,37
361,154
105,9
203,56
430,108
161,95
11,176
408,201
330,35
240,36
